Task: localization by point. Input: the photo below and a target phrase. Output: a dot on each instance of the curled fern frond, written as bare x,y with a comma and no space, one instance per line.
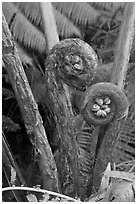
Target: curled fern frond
75,62
78,12
102,103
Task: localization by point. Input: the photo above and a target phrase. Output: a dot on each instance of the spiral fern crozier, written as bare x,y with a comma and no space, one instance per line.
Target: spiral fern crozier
75,62
102,103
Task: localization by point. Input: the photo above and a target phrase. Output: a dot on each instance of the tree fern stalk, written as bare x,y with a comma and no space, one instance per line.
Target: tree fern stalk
29,110
70,65
118,77
49,24
124,45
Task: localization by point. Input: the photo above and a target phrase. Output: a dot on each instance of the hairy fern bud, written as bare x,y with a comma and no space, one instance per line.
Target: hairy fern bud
102,103
75,62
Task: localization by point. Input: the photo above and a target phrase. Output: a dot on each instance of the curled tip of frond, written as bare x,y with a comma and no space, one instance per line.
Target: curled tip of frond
74,61
102,103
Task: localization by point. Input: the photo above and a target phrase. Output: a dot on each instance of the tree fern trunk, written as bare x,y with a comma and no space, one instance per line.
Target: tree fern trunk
29,110
49,24
124,45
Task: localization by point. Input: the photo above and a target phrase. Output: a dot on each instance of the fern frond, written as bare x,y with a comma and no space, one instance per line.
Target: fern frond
124,153
84,139
84,143
78,12
85,160
108,6
7,93
24,56
31,10
64,26
9,11
9,125
23,31
129,138
125,149
27,34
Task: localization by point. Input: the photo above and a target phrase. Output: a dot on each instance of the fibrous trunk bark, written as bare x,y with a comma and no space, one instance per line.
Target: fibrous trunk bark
29,110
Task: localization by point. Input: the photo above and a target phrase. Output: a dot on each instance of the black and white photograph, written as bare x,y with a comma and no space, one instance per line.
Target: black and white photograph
68,101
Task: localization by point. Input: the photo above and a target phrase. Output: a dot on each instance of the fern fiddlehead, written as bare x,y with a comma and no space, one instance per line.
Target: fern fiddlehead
104,106
76,63
71,68
102,102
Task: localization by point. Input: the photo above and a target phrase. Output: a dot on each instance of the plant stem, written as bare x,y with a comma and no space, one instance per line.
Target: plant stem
22,188
29,110
124,45
49,24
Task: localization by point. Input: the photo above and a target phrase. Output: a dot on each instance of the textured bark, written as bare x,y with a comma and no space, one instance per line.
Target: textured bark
71,65
29,110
